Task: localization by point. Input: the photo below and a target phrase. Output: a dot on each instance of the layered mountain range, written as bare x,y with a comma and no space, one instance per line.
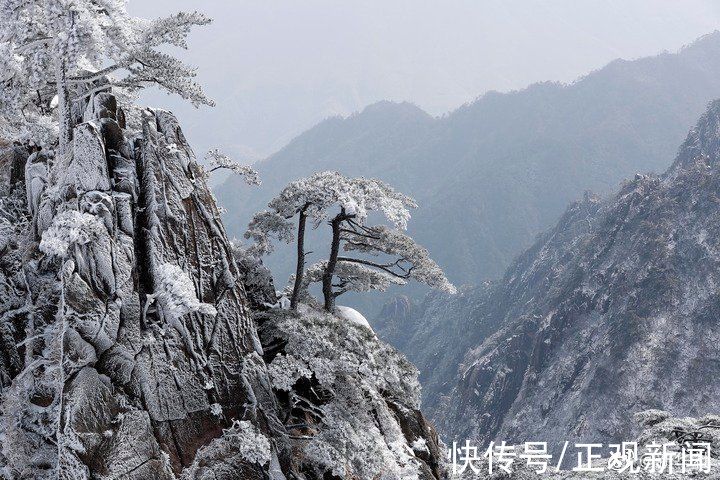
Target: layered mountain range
613,311
493,174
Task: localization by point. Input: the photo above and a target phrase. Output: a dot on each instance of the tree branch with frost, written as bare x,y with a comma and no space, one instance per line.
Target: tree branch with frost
345,203
365,195
72,47
352,277
265,227
412,260
218,160
402,258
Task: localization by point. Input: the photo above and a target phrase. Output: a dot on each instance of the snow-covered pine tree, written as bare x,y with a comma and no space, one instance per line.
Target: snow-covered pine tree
55,53
217,160
346,203
310,197
393,257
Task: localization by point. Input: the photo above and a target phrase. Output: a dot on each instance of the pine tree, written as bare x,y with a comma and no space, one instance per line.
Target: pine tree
310,197
219,161
345,204
56,53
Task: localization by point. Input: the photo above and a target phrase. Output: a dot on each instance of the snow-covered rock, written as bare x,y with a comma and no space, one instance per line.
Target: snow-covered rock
130,271
127,345
353,316
352,400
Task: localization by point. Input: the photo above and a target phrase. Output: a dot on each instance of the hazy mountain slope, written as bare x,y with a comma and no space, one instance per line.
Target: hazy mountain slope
611,312
491,175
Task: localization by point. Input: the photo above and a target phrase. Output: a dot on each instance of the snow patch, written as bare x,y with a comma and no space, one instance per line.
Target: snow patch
420,445
352,316
175,292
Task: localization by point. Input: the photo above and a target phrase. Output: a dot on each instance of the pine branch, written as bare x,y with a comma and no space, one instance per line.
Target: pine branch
387,268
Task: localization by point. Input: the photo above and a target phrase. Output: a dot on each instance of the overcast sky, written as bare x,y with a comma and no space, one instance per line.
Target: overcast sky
276,68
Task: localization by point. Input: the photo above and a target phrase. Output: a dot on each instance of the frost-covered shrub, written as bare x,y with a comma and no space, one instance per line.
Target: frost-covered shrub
69,228
6,231
175,293
240,445
252,445
34,442
327,347
256,277
357,377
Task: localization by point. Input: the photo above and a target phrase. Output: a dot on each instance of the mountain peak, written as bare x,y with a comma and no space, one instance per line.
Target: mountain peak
703,140
711,39
386,108
520,158
623,285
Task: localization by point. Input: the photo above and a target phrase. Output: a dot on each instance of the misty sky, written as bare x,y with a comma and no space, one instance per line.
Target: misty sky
276,68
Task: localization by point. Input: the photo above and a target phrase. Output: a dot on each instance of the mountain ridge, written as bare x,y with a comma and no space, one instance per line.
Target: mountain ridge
493,174
611,312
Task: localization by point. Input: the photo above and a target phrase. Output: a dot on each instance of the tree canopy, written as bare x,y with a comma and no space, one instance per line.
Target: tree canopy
55,53
345,203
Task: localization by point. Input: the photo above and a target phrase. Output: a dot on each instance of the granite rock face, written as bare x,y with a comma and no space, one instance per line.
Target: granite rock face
612,312
140,388
127,343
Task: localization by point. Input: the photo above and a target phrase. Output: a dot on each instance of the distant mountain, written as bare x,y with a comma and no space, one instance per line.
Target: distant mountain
491,175
612,312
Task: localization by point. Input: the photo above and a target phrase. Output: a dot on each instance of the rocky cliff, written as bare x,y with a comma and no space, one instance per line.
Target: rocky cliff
611,312
129,348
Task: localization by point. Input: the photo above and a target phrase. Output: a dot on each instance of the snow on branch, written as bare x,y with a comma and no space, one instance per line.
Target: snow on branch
173,30
352,277
218,160
313,195
321,195
346,203
324,193
375,195
412,261
265,226
55,53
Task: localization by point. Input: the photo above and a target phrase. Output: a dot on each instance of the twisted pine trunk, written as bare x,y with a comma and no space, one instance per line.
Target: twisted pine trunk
300,268
64,110
327,286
